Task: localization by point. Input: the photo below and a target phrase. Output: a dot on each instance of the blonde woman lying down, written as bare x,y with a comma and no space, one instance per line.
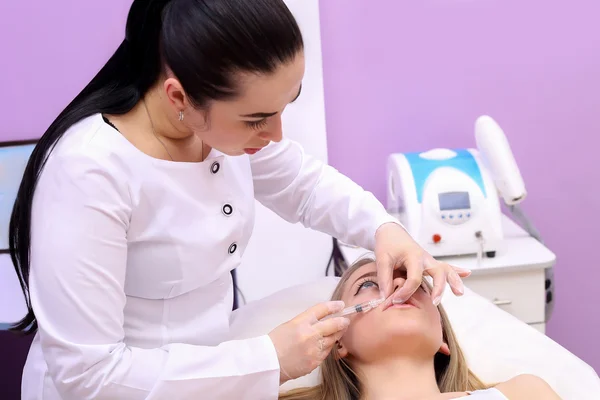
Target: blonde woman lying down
404,352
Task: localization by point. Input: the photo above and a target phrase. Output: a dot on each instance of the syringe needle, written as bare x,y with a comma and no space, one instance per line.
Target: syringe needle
357,308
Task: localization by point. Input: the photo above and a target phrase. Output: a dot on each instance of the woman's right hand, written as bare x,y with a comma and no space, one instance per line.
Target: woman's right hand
304,342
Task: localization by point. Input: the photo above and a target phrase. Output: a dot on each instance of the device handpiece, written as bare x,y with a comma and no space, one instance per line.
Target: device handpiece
357,308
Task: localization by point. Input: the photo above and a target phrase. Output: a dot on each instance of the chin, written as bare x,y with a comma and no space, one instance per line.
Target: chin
232,153
403,327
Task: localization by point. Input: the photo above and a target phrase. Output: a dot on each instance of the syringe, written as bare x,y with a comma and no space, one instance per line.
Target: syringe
357,308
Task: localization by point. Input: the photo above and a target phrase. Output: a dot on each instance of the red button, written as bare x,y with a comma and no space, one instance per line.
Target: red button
437,238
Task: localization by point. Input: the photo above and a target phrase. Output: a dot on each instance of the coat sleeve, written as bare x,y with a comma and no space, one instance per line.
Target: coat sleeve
81,213
300,188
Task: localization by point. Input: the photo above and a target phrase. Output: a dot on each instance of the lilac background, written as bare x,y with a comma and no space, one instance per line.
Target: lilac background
399,76
410,75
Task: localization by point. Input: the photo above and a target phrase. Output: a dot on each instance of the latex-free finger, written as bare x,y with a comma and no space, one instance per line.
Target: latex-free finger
330,341
332,326
439,276
338,335
414,278
385,274
456,283
453,276
462,272
322,310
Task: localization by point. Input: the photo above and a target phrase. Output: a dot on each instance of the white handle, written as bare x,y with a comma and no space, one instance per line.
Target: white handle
502,302
497,154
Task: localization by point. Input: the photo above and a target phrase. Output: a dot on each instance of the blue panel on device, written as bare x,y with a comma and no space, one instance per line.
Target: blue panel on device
13,159
422,167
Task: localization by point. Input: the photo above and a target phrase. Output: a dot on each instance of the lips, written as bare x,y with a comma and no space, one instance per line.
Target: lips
410,303
253,150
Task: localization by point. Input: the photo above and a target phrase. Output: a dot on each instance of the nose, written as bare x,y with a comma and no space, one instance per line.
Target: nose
398,282
274,131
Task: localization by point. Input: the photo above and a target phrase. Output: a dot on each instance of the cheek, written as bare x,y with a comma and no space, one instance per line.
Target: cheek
221,134
362,338
434,328
196,120
221,130
226,136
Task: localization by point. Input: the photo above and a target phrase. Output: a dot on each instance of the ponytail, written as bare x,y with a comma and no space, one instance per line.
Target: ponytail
203,43
116,89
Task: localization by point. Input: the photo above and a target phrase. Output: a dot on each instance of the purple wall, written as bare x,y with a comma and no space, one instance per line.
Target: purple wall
399,76
411,75
49,50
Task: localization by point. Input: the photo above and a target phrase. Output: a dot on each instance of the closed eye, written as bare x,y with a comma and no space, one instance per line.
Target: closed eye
257,124
262,122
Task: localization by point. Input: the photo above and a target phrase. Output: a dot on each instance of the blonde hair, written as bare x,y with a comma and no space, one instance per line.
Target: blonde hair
339,382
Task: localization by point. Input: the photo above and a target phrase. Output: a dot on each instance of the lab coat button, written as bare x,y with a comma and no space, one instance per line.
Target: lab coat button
215,167
232,248
227,209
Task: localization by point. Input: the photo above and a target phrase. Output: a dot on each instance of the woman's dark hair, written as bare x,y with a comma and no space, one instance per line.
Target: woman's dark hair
204,43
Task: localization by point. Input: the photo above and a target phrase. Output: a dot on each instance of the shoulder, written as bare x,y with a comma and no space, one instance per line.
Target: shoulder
91,136
90,144
88,159
527,386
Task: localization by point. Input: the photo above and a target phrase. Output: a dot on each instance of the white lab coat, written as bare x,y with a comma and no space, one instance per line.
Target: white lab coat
131,259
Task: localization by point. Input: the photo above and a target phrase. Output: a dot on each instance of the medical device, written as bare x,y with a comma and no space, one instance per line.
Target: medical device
357,308
448,199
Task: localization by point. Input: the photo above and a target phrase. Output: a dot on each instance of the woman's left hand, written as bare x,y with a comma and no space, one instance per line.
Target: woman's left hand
395,248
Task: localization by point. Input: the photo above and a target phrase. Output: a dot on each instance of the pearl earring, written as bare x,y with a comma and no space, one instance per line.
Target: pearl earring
181,115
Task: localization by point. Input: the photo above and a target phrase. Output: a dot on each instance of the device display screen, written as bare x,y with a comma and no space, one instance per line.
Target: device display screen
454,201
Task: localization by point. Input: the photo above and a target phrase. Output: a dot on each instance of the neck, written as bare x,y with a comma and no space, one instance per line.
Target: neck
403,378
181,142
164,121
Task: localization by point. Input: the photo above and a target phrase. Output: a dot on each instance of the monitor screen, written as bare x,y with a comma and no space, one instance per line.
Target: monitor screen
454,201
13,158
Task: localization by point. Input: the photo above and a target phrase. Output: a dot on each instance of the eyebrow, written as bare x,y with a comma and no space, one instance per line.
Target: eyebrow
270,114
259,115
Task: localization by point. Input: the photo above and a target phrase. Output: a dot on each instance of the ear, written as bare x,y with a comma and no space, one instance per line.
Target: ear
175,94
342,351
444,349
